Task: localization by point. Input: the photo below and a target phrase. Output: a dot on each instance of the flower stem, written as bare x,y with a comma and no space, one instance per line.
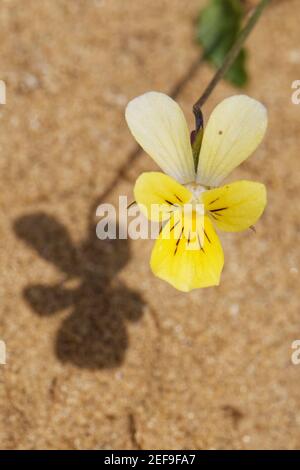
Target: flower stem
228,61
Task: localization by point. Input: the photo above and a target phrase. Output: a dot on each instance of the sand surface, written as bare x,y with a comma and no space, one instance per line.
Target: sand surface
100,354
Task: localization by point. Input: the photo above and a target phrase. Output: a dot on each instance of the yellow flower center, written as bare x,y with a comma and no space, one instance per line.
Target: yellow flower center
196,201
196,189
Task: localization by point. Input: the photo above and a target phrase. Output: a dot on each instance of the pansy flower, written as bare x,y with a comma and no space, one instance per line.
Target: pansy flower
234,130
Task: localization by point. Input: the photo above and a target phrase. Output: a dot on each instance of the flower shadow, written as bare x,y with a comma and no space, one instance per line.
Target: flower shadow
94,335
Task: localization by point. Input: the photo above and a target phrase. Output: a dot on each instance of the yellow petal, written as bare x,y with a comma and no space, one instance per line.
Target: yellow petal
159,126
184,268
158,195
236,206
234,130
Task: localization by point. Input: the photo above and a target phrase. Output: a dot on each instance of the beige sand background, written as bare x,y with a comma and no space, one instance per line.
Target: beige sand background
100,354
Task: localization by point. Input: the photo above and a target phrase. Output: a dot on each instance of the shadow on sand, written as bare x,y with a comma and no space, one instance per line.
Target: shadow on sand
94,334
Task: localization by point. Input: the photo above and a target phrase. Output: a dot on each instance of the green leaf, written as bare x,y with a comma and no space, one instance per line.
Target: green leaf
217,29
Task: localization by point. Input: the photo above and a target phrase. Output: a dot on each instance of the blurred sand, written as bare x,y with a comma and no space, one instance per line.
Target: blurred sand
100,353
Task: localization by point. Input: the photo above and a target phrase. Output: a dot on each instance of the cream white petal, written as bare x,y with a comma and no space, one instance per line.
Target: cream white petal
159,126
234,130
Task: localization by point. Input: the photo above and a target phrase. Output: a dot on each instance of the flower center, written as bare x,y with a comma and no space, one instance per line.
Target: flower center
196,200
196,189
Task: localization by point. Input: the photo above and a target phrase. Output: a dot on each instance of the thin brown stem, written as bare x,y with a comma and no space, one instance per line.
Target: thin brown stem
229,59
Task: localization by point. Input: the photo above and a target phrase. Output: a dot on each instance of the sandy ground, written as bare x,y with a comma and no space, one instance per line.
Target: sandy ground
100,354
